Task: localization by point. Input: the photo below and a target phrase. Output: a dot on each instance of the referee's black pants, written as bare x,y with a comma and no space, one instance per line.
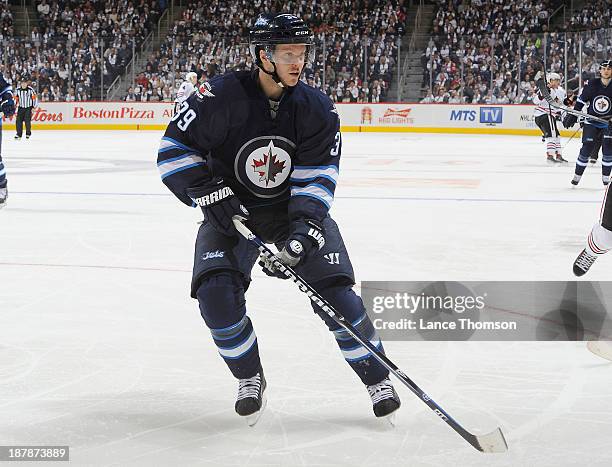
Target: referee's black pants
24,114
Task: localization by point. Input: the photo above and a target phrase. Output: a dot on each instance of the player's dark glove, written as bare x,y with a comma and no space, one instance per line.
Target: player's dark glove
570,120
7,106
305,236
219,205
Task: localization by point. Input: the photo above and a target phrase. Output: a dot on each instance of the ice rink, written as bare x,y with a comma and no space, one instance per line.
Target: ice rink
102,349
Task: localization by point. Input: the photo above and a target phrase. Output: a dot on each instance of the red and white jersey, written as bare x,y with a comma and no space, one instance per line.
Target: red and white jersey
186,90
542,106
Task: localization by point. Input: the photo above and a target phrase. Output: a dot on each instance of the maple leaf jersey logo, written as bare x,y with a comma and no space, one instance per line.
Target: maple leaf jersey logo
263,165
268,168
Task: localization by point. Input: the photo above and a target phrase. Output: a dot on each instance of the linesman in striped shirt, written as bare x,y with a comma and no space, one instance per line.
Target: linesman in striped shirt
26,100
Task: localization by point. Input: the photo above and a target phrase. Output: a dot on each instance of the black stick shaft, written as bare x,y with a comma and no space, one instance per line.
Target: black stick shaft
339,319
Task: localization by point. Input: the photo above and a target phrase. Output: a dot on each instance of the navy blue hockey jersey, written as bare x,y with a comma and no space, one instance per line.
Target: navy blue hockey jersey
598,98
227,129
6,91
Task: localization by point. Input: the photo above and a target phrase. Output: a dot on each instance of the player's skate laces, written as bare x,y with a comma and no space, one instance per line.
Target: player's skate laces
385,400
583,263
251,400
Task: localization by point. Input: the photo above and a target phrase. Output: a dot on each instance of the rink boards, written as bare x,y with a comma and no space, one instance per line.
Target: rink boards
385,117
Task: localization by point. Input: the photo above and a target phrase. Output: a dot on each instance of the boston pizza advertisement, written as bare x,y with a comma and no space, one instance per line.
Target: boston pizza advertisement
385,117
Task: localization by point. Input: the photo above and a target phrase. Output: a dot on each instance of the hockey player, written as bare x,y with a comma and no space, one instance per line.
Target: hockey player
599,240
597,95
546,118
7,107
186,89
265,146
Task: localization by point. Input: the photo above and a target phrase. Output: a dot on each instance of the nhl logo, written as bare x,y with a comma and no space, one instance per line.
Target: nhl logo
263,165
602,104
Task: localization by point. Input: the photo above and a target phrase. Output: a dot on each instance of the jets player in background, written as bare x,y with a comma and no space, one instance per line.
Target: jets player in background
186,89
7,107
265,146
546,118
597,96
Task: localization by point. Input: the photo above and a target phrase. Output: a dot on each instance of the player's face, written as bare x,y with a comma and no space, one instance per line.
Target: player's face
289,60
605,72
554,83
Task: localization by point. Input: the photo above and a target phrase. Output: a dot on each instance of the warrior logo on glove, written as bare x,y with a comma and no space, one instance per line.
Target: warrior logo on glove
214,197
296,247
316,234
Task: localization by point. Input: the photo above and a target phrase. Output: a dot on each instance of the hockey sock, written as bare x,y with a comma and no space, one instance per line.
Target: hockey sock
581,163
557,142
222,305
551,146
599,240
606,166
349,304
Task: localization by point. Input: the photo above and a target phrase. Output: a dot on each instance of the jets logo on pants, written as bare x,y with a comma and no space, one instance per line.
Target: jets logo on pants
263,165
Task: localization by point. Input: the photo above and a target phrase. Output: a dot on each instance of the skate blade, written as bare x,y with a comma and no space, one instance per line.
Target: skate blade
254,417
390,419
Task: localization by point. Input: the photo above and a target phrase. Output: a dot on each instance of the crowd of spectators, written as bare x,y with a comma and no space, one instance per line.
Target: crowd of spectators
481,51
6,21
596,14
474,54
359,39
80,45
488,52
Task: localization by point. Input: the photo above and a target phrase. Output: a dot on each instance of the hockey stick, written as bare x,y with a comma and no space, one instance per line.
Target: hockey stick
602,349
541,84
571,137
490,442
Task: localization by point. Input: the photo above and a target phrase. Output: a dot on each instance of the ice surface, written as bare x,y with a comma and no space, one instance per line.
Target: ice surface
102,349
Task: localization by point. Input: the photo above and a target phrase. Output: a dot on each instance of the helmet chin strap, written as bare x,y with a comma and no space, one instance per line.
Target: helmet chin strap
277,79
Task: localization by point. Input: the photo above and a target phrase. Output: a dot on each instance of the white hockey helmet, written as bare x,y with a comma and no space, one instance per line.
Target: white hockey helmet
552,77
192,76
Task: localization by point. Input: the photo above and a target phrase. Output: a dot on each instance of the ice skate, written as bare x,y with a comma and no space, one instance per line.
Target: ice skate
576,180
583,263
3,197
385,400
251,399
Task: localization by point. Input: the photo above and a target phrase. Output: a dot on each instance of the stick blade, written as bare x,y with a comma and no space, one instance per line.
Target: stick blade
602,349
492,442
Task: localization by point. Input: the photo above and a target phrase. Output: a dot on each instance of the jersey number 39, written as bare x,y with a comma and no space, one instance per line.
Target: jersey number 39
185,116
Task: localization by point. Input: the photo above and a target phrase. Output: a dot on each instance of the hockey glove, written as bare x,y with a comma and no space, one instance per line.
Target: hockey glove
570,120
305,236
7,106
219,205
